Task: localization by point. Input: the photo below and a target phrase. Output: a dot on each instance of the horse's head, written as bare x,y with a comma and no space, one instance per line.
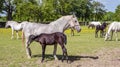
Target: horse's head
74,23
107,36
7,24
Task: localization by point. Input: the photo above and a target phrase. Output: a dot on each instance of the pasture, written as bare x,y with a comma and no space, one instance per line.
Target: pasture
84,50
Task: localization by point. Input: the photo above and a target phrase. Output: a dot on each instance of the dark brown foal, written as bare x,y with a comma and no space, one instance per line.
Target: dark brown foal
50,39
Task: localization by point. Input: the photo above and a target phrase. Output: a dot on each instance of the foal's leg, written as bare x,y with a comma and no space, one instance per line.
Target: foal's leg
96,33
28,50
54,52
101,33
64,52
43,52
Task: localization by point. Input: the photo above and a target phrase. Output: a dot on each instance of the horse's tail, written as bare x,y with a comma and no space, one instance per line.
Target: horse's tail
23,38
65,39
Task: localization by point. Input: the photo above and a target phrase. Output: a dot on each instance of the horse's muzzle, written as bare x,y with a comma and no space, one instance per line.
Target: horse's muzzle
7,27
79,30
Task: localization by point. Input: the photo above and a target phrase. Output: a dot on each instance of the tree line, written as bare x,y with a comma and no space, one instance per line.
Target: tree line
50,10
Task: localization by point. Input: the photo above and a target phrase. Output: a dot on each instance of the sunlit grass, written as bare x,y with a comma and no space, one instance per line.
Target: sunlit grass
12,52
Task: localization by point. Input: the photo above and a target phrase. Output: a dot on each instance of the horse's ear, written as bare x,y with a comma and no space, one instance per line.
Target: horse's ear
73,16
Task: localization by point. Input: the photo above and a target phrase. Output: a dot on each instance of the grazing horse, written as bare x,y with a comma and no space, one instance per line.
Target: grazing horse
15,27
113,27
60,25
72,31
50,39
93,24
100,28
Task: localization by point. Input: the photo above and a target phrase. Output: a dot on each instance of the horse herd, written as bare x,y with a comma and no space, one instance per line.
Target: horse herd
53,33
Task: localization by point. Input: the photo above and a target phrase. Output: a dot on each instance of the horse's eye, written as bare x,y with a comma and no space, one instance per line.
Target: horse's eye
75,21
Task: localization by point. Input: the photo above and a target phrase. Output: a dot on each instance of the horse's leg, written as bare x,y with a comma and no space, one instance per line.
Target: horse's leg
111,35
12,34
116,35
28,50
72,32
17,34
54,52
96,33
88,26
43,52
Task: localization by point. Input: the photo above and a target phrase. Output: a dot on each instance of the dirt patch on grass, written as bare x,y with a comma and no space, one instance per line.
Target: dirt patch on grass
103,58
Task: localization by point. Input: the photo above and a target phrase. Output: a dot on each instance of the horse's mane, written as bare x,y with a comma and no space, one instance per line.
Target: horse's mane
61,20
115,26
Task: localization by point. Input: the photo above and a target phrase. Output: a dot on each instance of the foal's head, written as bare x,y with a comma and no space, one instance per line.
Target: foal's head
104,24
31,39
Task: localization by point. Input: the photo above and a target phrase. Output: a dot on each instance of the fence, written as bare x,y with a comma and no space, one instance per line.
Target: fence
2,24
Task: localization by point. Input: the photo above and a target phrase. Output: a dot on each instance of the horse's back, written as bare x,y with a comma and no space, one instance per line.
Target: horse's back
95,23
114,25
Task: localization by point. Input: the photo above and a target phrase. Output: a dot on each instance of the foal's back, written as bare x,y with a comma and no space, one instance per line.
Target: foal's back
50,39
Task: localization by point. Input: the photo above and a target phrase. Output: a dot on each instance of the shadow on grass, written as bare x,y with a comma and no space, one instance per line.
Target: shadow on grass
70,58
113,40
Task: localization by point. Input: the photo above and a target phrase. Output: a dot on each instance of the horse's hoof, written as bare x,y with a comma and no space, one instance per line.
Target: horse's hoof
41,61
29,57
56,58
62,60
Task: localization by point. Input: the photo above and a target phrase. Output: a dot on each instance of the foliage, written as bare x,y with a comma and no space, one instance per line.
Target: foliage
98,10
50,10
1,5
117,13
109,16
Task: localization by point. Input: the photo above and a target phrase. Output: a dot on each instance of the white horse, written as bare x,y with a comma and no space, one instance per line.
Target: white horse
114,27
15,27
94,24
60,25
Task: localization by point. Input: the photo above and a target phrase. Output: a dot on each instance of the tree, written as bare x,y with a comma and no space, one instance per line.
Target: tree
109,16
98,10
1,5
8,8
117,13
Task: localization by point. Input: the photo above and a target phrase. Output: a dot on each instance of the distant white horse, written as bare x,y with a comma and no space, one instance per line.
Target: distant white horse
60,25
93,24
15,27
114,27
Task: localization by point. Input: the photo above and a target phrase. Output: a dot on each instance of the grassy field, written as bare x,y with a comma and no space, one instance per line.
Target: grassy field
12,52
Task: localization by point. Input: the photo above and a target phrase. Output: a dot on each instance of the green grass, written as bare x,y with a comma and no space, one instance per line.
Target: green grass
12,52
